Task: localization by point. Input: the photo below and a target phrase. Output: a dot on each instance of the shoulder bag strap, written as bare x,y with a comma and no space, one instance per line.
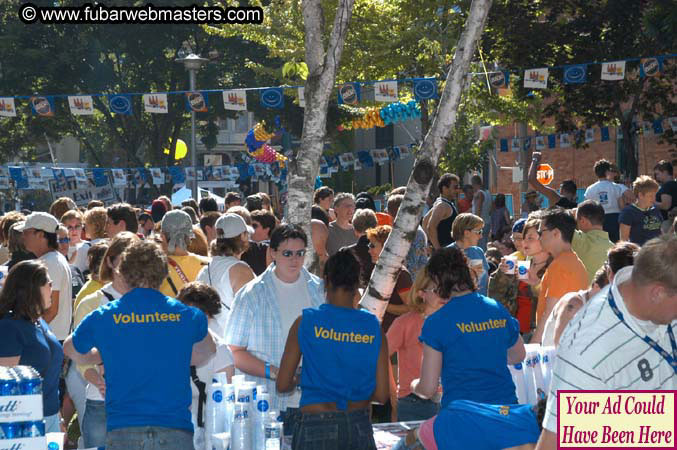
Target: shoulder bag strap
202,396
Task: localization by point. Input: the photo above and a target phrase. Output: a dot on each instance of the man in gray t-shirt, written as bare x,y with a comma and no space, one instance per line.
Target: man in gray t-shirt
341,232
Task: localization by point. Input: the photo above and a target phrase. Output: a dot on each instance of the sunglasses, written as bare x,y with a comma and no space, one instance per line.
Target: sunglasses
64,240
291,253
478,232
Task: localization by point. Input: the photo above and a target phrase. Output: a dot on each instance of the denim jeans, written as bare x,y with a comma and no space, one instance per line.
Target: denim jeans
413,407
289,418
94,424
76,387
334,431
149,438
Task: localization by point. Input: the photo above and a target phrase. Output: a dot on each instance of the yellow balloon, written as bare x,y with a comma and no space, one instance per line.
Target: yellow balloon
181,149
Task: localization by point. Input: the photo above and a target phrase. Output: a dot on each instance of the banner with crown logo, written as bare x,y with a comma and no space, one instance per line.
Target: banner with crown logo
235,100
385,91
613,71
155,103
536,78
7,107
81,105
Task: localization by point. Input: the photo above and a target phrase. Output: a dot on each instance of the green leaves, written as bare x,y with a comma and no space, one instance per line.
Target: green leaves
292,70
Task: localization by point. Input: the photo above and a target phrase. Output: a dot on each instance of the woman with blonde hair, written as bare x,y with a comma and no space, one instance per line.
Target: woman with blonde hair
403,339
467,230
95,224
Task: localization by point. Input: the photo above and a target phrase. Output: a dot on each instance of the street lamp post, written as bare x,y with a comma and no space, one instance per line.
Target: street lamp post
192,63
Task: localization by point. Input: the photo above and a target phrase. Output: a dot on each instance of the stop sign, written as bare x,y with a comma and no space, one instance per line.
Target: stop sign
545,174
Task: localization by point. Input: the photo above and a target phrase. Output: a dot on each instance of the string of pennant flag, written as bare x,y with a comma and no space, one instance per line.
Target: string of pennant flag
537,78
55,178
576,138
198,101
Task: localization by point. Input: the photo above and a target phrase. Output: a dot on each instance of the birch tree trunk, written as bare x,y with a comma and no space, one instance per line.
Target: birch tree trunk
322,65
397,245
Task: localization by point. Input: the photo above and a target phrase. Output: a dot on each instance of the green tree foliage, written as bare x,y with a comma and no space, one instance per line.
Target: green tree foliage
69,59
525,34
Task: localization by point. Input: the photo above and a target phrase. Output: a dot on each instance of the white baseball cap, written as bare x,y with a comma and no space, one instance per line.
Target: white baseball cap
40,221
230,225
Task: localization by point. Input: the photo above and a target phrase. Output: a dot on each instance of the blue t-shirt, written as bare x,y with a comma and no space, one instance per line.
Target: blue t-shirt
473,333
146,341
477,253
480,426
340,348
644,224
36,346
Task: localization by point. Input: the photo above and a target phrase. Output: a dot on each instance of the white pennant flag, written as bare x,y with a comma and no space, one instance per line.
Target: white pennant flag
540,142
119,177
158,176
81,105
589,135
613,71
302,97
155,103
7,107
536,78
385,91
235,100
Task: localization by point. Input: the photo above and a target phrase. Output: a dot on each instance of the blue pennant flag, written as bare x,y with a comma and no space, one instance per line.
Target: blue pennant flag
425,88
42,106
605,134
272,98
243,168
650,67
196,101
120,104
349,93
658,126
100,176
318,182
365,158
575,74
18,174
552,141
394,153
178,175
504,145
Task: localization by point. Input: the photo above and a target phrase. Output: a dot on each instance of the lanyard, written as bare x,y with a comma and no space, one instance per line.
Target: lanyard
671,359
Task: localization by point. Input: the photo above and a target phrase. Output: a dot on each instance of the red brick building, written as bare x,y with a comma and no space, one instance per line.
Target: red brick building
577,164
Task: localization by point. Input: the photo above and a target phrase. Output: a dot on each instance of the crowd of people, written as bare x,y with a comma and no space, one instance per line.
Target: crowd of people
127,313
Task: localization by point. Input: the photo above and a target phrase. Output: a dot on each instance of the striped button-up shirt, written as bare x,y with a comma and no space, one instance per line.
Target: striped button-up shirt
255,323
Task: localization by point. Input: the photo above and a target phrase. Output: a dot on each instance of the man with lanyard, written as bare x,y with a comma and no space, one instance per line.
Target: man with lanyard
437,223
599,350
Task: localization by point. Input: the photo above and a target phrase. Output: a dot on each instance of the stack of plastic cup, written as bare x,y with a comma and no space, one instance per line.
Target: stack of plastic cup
229,396
216,412
240,429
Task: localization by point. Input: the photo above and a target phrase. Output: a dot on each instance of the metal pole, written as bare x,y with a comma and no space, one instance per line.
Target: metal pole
193,148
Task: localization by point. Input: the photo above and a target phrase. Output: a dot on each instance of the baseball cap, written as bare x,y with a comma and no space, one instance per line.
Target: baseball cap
518,227
230,225
40,221
177,222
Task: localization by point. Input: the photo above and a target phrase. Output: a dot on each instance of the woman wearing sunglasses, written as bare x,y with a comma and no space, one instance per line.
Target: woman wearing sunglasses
26,337
345,364
264,310
467,231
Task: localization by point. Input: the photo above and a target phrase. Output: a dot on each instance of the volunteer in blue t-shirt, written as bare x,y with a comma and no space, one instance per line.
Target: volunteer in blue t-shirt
147,343
26,338
345,364
480,426
469,341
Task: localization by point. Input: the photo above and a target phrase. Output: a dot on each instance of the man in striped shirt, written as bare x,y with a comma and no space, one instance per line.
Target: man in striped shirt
604,346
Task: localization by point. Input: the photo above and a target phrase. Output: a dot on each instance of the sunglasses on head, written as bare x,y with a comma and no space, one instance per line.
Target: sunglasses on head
290,253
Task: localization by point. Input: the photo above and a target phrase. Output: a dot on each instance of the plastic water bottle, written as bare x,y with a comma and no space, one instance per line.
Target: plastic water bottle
216,412
261,411
273,432
240,430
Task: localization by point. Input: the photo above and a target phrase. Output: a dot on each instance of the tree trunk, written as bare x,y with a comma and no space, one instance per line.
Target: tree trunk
397,245
322,65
